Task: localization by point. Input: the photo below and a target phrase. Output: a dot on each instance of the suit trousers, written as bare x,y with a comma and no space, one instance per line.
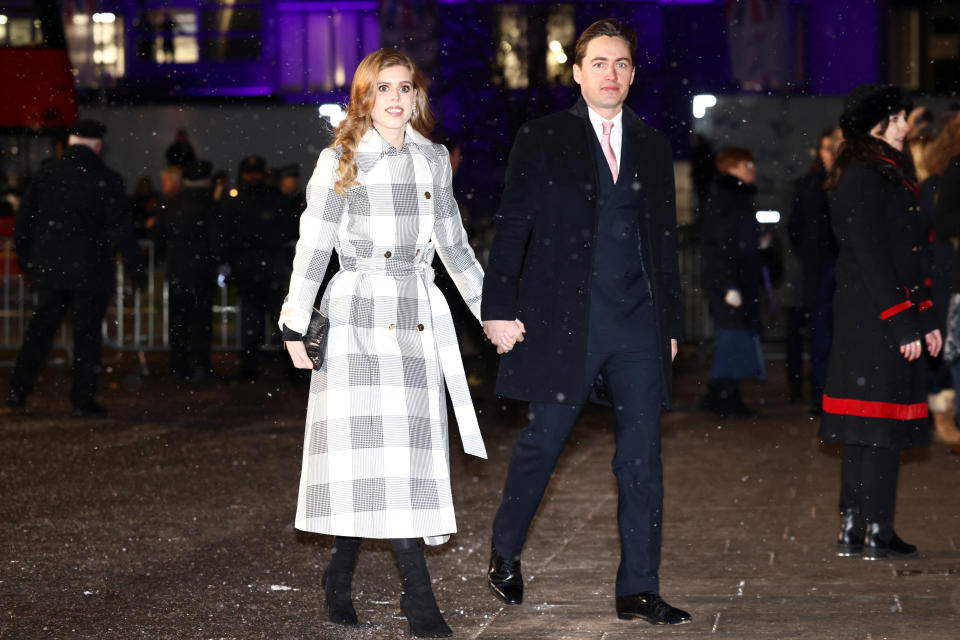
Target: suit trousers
633,386
191,320
88,310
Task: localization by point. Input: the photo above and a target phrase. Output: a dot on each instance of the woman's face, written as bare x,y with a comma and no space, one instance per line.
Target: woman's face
745,171
394,97
895,132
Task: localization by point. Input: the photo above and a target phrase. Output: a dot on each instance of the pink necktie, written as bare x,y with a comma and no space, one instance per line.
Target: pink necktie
608,150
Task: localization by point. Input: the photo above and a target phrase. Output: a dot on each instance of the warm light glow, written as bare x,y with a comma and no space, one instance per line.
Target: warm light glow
81,19
555,46
234,193
561,57
703,102
3,19
104,17
768,217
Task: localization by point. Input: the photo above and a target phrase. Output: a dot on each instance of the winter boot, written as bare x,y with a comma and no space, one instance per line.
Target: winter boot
853,528
337,578
942,406
417,601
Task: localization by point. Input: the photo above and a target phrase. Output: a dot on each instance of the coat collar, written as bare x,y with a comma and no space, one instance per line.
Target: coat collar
372,147
632,124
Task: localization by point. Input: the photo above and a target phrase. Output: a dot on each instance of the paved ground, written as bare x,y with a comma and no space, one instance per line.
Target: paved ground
173,519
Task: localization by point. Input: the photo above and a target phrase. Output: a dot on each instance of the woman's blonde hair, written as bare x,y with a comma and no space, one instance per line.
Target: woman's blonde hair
944,148
362,96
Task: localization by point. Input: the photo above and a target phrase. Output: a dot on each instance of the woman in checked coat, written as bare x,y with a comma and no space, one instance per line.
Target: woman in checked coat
375,458
875,397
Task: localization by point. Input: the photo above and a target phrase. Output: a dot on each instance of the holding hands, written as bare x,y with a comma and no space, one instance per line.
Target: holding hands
504,333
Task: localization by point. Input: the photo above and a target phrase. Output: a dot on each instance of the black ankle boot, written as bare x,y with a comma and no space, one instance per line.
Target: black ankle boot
853,528
337,580
882,541
417,601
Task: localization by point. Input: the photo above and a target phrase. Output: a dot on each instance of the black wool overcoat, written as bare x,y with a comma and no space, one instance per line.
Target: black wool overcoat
73,218
541,261
874,396
731,255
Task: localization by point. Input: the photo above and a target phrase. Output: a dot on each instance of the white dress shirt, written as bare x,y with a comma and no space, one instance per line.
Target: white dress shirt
616,134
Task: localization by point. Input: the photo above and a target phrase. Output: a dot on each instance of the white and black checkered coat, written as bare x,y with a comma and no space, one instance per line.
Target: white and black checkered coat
375,459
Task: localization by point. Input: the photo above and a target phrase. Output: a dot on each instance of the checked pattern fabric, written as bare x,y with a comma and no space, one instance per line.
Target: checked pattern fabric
376,458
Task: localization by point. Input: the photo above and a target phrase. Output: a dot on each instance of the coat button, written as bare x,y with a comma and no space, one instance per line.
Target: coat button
390,327
387,254
427,195
580,290
419,327
586,245
417,253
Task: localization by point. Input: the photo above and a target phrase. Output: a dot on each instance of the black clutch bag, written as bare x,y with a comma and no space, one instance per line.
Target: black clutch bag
315,339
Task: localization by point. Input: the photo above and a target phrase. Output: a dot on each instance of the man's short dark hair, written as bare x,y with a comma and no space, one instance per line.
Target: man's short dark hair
606,27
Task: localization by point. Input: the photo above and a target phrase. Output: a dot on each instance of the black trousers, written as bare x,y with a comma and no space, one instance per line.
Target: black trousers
633,386
868,482
88,309
258,298
191,319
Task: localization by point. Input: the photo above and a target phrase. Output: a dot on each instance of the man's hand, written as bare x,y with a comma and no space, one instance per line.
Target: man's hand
673,349
504,333
298,354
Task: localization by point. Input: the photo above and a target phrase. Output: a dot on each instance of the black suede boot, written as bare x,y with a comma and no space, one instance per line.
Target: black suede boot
337,578
882,541
417,601
853,528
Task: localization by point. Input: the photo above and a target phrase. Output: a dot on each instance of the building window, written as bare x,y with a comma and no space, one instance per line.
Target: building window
95,45
511,36
561,39
231,34
320,48
174,36
18,31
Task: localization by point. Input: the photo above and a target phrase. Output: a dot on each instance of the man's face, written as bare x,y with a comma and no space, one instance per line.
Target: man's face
606,74
289,185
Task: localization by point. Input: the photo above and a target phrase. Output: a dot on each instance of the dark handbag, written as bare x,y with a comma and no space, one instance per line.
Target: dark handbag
315,339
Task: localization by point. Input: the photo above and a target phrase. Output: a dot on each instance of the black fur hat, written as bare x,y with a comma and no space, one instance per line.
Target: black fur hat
870,104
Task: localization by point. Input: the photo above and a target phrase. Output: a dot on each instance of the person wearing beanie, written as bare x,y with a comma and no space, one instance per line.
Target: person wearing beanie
875,398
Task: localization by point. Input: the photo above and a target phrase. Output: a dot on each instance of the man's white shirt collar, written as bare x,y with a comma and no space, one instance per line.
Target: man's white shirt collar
616,134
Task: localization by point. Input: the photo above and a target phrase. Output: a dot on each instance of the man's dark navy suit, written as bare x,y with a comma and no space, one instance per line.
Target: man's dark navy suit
610,308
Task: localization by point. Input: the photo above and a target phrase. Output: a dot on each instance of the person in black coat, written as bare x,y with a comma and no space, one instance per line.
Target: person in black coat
732,251
875,398
258,231
73,217
585,262
185,232
811,236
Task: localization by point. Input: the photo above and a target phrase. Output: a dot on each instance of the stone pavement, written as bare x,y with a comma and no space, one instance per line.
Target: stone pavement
173,519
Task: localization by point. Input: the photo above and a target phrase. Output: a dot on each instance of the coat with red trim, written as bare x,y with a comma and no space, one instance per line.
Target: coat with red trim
874,396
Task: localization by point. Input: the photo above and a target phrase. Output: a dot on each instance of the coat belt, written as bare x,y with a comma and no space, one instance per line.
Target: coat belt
449,355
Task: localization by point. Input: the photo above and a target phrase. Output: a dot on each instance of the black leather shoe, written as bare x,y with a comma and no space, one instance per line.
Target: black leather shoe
882,541
504,578
89,410
853,528
651,607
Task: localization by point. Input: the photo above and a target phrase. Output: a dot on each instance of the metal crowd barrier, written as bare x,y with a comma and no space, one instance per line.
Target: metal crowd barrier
135,320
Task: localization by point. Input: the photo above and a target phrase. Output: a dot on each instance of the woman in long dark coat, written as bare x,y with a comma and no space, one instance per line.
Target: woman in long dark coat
731,274
875,400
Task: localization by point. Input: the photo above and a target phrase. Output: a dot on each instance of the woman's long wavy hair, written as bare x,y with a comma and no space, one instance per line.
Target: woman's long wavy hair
362,96
871,152
944,148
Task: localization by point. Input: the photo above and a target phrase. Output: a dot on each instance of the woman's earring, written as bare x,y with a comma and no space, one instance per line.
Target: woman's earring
414,112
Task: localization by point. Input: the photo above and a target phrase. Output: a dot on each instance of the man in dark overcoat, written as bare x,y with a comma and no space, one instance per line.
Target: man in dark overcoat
73,218
259,239
583,281
186,234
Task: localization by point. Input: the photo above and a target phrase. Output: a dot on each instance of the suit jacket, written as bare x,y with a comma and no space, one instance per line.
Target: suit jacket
541,261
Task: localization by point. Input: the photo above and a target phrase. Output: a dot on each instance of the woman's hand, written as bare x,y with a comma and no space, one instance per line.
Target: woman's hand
911,351
504,334
934,342
298,354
